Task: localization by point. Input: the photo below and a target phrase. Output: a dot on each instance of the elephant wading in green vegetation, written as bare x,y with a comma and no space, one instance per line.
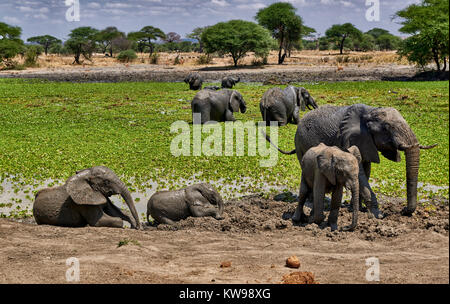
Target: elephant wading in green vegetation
195,81
84,200
329,169
283,106
199,200
217,105
229,82
372,130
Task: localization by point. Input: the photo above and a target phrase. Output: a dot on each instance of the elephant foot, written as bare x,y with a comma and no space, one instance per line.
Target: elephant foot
333,226
406,212
375,213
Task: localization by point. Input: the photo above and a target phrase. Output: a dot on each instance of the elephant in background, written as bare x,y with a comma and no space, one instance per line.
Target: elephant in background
84,200
199,200
217,105
195,81
283,106
329,169
229,82
372,130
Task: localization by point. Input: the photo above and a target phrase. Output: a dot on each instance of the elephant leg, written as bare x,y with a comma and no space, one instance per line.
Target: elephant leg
319,196
299,215
229,116
336,200
165,220
295,116
95,217
199,210
114,211
368,196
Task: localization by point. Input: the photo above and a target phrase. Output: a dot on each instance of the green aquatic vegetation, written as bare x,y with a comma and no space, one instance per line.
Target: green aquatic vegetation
49,130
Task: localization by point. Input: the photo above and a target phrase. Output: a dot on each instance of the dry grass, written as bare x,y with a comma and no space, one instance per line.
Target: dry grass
298,58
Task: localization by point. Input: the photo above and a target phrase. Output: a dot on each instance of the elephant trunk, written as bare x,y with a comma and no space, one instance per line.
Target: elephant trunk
126,195
355,206
412,156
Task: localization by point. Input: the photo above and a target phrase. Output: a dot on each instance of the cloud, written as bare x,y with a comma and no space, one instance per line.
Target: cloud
221,3
11,20
94,5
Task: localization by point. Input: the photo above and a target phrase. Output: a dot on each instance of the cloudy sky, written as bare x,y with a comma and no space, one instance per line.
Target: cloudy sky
38,17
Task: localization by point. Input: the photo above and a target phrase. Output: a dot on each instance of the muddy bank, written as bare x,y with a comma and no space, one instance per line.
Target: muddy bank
267,74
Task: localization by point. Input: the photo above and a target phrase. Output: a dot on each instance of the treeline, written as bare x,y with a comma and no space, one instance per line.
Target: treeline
278,28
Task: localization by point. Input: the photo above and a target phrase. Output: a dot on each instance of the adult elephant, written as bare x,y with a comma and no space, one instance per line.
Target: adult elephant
372,130
217,105
194,80
229,82
199,200
84,200
283,106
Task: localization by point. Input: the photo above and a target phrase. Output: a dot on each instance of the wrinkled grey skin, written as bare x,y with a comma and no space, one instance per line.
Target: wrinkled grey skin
217,105
229,82
84,200
199,200
372,130
283,106
195,81
329,169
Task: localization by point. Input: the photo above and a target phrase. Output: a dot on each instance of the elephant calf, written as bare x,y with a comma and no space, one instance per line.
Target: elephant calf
217,105
329,169
168,207
195,81
283,106
84,200
229,82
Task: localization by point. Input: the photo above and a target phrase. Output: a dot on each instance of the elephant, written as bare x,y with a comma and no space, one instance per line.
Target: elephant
213,88
217,105
329,169
84,200
199,200
228,82
372,130
283,106
195,81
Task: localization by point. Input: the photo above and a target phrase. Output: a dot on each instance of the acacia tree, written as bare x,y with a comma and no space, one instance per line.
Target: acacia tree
338,33
284,25
428,23
45,41
10,43
236,37
82,41
145,37
106,37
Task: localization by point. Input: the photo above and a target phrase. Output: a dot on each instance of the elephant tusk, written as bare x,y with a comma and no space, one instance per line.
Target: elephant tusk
427,147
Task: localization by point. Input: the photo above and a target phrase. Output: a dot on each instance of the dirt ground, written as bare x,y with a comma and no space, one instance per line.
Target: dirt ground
252,244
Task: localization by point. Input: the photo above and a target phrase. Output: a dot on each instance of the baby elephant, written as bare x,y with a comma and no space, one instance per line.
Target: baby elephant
84,200
168,207
195,81
329,169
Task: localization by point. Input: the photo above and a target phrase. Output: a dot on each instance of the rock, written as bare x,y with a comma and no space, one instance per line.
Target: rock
301,277
225,264
293,262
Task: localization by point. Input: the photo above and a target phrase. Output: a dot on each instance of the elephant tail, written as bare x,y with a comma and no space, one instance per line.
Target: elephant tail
282,151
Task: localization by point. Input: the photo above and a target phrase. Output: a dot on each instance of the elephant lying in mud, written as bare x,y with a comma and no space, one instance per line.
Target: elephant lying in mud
84,200
199,200
372,130
329,169
195,81
217,105
229,82
283,106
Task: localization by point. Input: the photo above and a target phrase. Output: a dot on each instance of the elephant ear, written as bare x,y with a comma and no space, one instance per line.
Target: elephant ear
81,192
326,167
355,151
354,132
233,103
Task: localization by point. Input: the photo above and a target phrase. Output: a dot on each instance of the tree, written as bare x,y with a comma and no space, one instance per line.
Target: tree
428,25
10,43
172,37
197,34
338,33
284,25
106,38
45,41
377,32
388,42
82,41
236,37
367,43
145,37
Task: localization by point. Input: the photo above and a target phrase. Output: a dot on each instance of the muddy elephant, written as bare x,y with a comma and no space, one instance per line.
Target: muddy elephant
229,82
329,169
372,130
283,106
217,105
84,200
194,80
199,200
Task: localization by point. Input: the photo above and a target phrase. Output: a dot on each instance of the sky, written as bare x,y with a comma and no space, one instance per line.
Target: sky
48,17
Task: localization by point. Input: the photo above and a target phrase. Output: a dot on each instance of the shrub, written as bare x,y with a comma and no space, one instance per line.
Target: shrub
31,55
154,58
204,59
127,56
